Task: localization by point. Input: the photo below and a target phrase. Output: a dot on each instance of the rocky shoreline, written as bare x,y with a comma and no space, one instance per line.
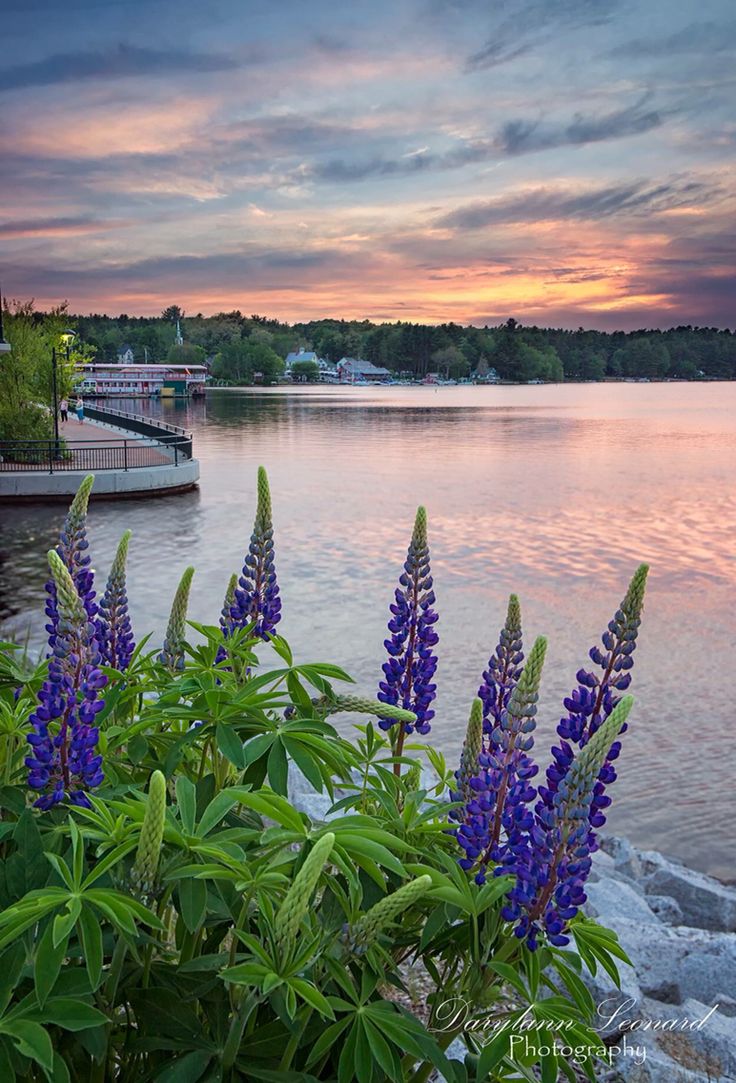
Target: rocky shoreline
678,927
677,1007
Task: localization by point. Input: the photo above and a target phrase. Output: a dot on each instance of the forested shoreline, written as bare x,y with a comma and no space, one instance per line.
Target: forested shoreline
238,345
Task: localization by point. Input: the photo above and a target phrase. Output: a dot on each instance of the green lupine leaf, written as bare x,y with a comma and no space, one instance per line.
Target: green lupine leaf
384,1054
186,1069
278,767
271,805
7,1071
60,1072
112,858
231,745
492,1055
186,799
257,747
47,963
577,988
215,812
192,902
327,1039
309,992
71,1014
90,935
12,962
60,866
64,923
355,845
345,1068
304,761
511,976
31,1040
77,853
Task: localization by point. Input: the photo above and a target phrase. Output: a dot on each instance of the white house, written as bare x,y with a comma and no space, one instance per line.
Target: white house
352,370
299,355
126,355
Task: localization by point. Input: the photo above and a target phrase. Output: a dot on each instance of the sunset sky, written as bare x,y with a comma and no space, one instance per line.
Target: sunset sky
564,162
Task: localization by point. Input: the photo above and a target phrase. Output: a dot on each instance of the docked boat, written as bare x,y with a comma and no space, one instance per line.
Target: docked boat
141,381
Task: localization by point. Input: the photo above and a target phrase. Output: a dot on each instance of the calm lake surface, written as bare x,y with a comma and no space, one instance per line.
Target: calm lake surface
554,492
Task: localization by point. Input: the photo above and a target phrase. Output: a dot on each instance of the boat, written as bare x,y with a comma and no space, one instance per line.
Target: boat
140,381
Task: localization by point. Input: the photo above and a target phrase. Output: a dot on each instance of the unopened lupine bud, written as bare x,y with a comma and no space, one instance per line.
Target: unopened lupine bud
472,748
369,927
172,654
327,705
225,616
152,833
72,549
413,778
70,604
293,909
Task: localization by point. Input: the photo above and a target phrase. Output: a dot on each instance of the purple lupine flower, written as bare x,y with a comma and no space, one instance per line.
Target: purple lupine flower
63,763
257,593
72,549
595,697
504,668
412,662
498,813
551,861
113,628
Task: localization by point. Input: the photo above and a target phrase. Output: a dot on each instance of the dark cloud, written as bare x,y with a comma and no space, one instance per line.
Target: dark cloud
527,136
119,62
516,137
534,24
697,38
254,265
40,226
547,203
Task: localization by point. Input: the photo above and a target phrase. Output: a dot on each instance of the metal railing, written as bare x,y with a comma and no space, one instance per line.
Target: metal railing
146,426
43,456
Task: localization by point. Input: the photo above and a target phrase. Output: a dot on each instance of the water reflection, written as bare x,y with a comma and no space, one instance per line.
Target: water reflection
556,493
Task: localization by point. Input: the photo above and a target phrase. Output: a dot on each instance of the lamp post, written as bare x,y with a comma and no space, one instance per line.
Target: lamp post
66,337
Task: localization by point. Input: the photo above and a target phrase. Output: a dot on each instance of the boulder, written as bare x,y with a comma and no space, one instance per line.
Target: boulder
709,1047
611,900
705,903
645,1061
666,908
304,797
676,964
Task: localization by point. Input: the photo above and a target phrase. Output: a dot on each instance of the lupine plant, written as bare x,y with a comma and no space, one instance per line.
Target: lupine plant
173,911
409,671
113,628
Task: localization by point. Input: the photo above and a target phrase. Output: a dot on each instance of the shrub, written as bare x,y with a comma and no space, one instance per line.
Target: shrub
169,914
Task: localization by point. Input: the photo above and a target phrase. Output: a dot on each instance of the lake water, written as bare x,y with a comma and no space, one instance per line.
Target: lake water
554,492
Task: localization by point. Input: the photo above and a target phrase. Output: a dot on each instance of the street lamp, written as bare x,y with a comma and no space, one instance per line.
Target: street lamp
67,337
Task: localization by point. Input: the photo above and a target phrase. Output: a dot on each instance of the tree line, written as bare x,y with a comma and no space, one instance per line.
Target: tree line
238,347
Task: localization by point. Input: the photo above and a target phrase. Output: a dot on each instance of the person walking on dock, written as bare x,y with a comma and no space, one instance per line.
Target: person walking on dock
79,407
64,410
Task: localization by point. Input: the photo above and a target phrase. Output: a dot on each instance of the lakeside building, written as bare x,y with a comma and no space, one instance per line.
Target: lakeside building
140,381
327,372
351,370
126,355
